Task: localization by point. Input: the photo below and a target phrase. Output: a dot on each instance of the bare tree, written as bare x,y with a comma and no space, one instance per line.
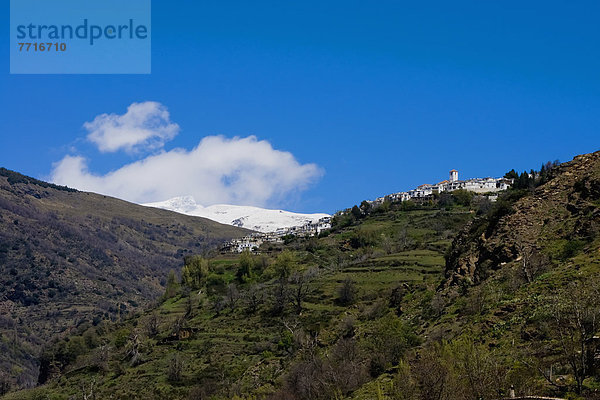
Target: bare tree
346,369
5,384
133,350
302,287
438,303
478,301
403,385
404,239
254,297
347,292
576,317
397,296
329,376
387,244
178,325
152,325
189,306
279,297
218,304
479,371
533,263
432,376
175,368
232,296
88,390
101,356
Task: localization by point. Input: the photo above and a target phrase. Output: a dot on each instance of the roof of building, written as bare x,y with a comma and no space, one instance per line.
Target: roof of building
453,170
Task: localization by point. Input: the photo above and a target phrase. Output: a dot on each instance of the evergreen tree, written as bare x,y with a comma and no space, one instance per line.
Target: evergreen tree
512,174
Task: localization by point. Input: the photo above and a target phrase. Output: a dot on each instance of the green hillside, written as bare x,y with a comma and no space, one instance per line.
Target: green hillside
67,257
454,298
245,323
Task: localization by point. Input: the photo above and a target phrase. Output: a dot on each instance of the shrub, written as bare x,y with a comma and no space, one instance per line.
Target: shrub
175,368
347,292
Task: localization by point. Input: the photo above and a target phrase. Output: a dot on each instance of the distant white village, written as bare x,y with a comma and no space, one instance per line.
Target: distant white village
255,240
477,185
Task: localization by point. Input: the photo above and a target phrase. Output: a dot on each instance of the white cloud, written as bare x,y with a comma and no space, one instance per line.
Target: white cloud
244,171
144,127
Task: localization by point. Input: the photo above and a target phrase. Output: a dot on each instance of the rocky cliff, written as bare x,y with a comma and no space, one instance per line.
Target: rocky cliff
535,227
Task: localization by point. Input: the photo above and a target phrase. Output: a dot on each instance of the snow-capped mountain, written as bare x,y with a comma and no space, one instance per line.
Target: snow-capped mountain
255,218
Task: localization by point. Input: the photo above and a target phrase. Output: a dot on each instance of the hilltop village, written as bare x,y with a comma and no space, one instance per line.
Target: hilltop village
421,193
426,191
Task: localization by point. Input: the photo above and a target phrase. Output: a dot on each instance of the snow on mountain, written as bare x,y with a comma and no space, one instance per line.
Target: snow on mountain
255,218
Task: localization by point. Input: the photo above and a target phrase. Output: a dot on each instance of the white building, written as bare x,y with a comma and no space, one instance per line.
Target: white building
255,240
453,175
477,185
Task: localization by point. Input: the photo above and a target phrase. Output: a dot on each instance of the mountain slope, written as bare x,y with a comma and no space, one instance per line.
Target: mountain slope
241,330
69,256
254,218
551,221
373,310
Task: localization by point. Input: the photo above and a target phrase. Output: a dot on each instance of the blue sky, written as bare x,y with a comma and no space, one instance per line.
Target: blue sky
380,96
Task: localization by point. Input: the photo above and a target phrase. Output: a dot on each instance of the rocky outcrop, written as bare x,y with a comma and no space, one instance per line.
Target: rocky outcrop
566,208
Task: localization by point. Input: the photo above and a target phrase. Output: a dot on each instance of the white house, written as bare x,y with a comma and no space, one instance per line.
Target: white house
477,185
255,240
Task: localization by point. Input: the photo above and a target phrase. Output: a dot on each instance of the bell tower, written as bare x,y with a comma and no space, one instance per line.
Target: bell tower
453,175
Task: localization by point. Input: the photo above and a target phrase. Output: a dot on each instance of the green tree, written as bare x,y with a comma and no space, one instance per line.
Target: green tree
245,271
363,237
388,339
446,200
172,286
285,264
384,207
75,347
524,181
341,221
356,213
194,272
365,206
462,197
512,174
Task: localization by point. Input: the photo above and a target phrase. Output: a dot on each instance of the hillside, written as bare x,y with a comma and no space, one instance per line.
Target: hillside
455,298
242,324
67,257
254,218
557,220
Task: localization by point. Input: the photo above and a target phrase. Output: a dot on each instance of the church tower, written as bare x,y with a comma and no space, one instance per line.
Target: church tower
453,175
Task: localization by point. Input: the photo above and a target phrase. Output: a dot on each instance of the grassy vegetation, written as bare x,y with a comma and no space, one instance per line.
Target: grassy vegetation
226,335
67,257
450,299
